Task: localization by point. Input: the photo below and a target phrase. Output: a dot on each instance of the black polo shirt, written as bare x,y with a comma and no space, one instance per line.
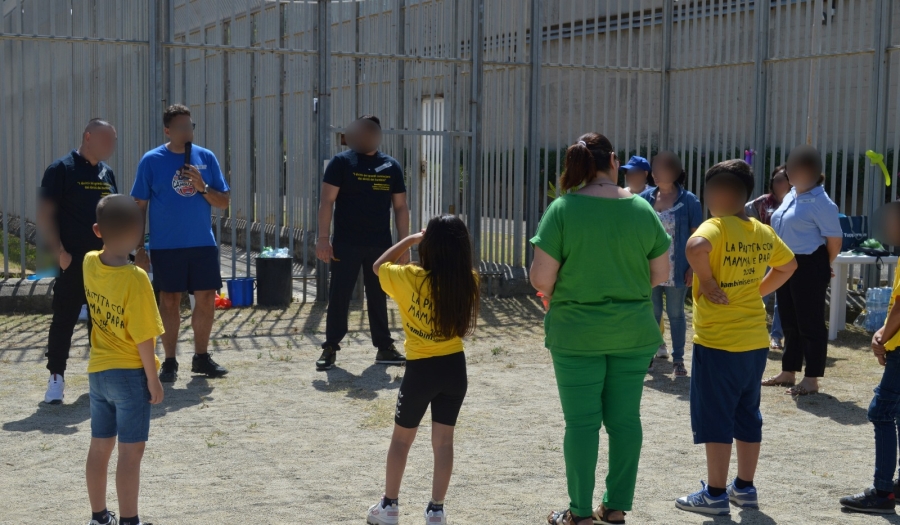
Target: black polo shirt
362,210
76,186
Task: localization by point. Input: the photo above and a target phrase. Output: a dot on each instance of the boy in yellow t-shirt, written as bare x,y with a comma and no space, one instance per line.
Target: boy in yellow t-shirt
884,410
123,365
729,255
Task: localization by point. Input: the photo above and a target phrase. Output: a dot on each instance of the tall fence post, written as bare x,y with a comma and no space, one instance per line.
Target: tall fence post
763,8
665,92
323,125
533,187
878,102
156,64
474,215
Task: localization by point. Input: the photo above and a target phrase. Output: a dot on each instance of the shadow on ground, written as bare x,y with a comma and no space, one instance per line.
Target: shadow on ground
64,419
365,386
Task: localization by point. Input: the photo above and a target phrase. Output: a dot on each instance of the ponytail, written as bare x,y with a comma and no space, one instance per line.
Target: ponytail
584,159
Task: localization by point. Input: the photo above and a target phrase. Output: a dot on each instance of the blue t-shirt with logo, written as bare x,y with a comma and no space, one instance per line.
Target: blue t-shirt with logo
179,216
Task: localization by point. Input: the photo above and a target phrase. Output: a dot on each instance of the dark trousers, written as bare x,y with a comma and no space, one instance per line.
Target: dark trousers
801,305
344,271
884,413
68,298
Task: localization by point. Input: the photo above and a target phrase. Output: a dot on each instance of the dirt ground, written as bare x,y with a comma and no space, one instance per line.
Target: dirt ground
277,442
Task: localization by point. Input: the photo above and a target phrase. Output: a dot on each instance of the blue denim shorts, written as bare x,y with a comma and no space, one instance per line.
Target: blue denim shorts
120,405
725,392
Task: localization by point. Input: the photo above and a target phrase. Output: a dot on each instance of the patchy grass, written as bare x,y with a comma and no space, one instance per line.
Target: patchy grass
15,257
379,413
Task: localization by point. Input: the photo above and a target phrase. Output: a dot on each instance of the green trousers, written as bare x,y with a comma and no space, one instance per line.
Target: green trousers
596,391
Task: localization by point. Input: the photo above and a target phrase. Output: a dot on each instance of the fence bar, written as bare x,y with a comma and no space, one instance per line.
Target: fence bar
763,10
323,135
533,193
475,168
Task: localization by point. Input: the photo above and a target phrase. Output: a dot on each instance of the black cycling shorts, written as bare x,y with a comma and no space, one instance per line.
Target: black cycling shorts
438,381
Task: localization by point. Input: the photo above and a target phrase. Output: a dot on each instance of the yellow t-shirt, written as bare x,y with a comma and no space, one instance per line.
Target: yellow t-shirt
406,285
123,313
893,342
741,251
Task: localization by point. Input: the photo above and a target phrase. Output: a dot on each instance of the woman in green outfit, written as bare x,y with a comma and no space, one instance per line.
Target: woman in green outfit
598,252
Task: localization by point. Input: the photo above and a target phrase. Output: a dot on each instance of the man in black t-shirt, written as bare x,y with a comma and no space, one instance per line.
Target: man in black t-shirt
360,188
70,190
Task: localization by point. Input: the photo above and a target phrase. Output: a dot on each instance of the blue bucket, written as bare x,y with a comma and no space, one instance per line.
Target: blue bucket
240,291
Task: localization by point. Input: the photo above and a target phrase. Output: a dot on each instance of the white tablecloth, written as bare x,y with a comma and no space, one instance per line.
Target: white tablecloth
837,315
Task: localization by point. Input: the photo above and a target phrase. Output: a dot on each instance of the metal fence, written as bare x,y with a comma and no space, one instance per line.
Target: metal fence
480,129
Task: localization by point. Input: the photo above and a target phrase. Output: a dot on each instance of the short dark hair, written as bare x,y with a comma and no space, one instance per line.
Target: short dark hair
173,111
116,213
670,160
737,172
372,118
95,123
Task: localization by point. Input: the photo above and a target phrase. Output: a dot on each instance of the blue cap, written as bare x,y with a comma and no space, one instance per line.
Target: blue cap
637,163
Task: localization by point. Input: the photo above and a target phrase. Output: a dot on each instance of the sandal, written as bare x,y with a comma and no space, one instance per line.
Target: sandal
800,390
601,516
775,344
772,381
564,517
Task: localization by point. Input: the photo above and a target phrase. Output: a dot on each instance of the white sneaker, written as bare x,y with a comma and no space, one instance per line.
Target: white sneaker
55,386
435,517
112,520
383,516
663,352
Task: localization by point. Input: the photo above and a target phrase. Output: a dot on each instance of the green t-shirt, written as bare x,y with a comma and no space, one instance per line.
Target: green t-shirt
601,303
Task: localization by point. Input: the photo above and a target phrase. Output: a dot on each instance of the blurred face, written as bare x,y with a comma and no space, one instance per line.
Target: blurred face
723,198
363,136
891,224
664,173
636,180
802,177
780,185
101,142
181,129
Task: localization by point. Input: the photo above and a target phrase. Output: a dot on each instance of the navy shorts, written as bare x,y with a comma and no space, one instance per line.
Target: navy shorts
437,381
120,405
725,395
186,269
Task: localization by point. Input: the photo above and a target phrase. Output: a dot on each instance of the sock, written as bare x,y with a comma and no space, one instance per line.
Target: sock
715,491
435,506
387,502
885,493
60,374
741,484
171,360
130,521
101,517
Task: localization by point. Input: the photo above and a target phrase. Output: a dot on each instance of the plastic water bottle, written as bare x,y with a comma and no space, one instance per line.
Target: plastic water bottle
267,253
282,253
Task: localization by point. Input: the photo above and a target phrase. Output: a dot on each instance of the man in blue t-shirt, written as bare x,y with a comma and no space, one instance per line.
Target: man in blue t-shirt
183,251
70,190
360,188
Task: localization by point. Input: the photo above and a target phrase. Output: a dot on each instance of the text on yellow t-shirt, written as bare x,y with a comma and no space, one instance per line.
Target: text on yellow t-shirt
407,286
741,252
123,313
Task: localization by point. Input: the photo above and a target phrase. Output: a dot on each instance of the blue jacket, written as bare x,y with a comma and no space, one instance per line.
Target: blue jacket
688,216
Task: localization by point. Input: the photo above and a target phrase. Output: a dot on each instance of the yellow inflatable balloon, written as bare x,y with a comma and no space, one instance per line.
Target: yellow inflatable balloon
878,160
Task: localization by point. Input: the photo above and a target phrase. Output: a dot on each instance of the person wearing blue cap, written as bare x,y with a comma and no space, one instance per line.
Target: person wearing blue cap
637,172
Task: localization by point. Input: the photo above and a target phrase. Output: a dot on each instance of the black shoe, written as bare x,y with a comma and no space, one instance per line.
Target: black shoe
169,372
203,364
868,501
389,356
327,359
897,489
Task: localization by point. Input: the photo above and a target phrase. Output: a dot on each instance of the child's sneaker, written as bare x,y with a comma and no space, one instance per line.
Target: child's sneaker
55,390
702,503
379,515
743,498
435,517
112,520
868,501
